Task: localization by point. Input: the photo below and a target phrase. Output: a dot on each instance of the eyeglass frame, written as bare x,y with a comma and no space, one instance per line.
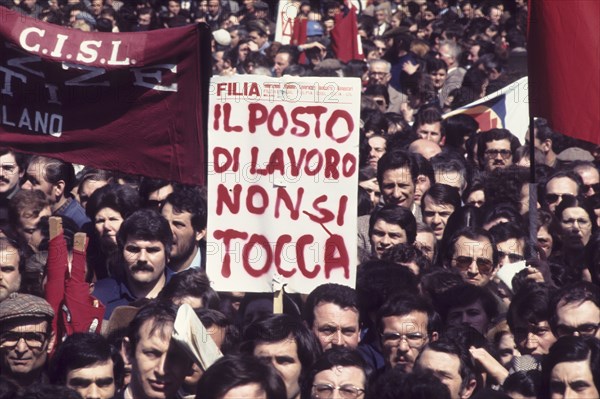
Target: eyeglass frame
561,196
476,260
21,336
595,187
573,330
404,337
360,392
493,153
375,73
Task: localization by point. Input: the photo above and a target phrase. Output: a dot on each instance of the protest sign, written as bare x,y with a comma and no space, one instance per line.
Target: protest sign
128,101
283,165
286,13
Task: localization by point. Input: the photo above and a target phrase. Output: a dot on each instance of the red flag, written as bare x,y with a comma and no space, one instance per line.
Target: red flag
299,35
127,101
564,65
344,37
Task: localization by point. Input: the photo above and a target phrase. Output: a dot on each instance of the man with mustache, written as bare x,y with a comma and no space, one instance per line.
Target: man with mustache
144,244
12,168
495,149
406,324
26,338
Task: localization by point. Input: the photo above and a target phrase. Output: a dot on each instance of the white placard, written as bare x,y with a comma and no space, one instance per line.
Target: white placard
283,175
286,12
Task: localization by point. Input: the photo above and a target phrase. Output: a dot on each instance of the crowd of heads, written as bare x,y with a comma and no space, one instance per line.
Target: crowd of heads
472,282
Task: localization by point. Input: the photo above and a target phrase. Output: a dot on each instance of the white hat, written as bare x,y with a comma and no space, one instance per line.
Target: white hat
222,37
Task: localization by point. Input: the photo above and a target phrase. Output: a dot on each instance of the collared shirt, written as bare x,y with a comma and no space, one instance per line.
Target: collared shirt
196,262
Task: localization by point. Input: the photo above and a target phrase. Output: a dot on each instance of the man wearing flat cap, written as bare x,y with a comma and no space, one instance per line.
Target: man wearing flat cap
26,338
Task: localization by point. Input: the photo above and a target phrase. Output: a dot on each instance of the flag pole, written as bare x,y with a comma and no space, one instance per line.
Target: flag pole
533,218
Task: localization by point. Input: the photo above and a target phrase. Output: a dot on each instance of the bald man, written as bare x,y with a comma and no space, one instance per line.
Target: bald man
426,148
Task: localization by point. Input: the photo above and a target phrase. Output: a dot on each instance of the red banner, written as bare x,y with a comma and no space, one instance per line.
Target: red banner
344,37
132,102
564,65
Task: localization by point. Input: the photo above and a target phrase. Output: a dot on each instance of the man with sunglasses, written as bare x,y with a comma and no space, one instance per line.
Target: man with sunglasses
472,252
26,338
590,177
560,185
575,310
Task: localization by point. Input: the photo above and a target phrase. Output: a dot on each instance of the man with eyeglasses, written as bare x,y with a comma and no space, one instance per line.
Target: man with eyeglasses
379,73
26,338
472,252
576,310
590,176
495,149
406,324
338,373
560,185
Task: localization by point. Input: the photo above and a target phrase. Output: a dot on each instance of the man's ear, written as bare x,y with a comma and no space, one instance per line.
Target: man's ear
200,234
58,189
467,391
494,271
127,351
51,342
443,141
547,145
434,336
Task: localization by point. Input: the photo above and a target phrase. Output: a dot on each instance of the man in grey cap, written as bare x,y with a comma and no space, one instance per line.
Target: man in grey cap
26,338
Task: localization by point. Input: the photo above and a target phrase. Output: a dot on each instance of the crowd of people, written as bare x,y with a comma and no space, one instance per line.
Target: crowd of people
472,282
